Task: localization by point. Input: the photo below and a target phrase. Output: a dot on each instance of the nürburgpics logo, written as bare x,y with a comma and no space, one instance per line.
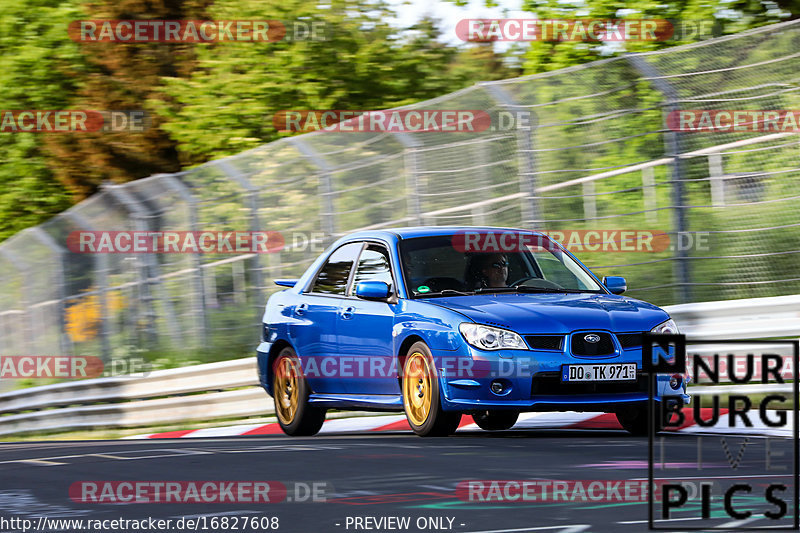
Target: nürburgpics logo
71,121
401,120
751,479
195,31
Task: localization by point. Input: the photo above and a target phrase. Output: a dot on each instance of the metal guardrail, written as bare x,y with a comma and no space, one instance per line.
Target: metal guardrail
226,389
229,389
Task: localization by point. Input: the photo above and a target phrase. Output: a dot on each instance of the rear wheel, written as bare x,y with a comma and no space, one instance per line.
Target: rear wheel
637,421
421,399
495,420
290,390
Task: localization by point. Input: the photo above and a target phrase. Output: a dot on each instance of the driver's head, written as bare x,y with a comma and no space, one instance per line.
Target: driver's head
494,269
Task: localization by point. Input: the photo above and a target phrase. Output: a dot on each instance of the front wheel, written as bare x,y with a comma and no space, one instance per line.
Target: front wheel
290,390
421,399
637,421
495,420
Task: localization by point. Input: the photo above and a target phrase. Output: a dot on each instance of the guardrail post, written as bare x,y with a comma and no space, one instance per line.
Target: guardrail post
525,154
673,148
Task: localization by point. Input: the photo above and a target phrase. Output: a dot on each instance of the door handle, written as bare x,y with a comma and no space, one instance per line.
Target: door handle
347,312
301,309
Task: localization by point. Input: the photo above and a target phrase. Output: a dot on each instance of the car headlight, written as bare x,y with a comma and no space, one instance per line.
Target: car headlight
668,326
489,338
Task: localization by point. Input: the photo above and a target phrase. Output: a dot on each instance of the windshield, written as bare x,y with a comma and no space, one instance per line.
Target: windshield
440,266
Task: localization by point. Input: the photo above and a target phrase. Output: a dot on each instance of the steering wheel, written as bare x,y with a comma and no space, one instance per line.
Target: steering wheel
543,283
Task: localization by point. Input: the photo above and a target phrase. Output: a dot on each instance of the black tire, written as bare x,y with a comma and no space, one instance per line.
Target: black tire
495,420
637,422
436,422
304,419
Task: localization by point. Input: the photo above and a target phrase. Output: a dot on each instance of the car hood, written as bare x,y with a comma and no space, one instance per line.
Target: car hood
556,313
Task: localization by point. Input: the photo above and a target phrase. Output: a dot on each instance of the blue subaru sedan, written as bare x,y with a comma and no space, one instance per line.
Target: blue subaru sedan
443,321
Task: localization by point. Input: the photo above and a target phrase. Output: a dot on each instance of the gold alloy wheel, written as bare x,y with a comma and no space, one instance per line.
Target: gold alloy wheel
417,392
285,390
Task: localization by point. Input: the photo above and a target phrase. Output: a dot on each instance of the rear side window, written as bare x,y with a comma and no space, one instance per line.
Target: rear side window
333,277
373,265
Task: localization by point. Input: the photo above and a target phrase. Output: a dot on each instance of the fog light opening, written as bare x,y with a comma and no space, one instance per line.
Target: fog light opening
498,387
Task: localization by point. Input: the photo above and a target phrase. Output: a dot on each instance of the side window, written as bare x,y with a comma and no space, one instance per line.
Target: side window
373,265
333,277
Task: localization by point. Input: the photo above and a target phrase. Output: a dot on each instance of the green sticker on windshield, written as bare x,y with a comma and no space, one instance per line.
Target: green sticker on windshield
423,288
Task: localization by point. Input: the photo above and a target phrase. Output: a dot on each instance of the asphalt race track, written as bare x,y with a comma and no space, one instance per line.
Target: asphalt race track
392,475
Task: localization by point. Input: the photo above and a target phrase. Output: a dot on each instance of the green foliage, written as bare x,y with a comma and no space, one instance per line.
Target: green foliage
39,69
228,103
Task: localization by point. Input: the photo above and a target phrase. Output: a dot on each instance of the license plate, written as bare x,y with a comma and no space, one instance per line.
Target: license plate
599,372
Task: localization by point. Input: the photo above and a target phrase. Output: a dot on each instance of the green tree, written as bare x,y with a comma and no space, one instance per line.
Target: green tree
228,103
124,77
39,69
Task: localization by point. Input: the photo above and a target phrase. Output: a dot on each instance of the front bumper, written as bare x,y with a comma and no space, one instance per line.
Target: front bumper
531,382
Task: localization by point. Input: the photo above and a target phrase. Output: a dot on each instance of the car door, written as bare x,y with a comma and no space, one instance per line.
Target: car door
316,316
364,329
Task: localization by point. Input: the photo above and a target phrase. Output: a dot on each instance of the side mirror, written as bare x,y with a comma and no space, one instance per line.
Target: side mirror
615,284
373,290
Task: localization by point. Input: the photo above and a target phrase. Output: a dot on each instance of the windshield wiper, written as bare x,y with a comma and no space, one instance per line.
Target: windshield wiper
445,292
528,288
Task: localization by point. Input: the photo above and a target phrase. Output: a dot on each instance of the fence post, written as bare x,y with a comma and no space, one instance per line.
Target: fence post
673,144
39,234
716,172
252,197
649,191
199,276
411,165
23,269
147,263
101,280
526,159
327,216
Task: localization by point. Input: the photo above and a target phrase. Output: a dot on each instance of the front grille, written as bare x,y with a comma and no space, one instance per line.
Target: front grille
629,340
545,342
550,384
593,349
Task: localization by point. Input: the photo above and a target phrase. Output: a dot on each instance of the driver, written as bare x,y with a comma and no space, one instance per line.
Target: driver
488,270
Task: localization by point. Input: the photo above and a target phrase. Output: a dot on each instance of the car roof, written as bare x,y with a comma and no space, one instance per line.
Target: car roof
426,231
